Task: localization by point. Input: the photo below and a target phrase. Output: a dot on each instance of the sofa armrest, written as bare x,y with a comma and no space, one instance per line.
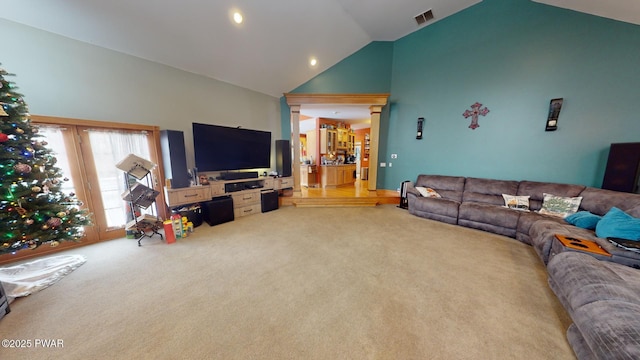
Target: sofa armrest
411,190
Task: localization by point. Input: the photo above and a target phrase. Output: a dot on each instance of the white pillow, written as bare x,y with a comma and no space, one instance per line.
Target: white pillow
559,206
427,192
516,202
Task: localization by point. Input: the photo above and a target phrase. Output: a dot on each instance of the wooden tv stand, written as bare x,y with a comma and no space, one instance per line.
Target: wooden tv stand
245,193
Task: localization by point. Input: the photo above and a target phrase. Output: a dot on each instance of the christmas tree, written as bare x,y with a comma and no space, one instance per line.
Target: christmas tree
33,209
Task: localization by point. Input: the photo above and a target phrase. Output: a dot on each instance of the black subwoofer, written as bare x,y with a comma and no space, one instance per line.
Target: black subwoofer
269,200
217,211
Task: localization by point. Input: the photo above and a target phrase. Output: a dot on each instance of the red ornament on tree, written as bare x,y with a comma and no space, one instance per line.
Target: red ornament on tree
4,137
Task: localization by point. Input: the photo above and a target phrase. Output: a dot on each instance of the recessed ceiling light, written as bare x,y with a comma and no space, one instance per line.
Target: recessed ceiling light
237,17
313,62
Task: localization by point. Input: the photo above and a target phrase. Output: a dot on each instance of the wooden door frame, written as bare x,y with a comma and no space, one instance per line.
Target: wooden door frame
375,102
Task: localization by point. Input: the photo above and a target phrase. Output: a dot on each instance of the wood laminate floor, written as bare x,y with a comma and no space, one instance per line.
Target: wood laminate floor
355,195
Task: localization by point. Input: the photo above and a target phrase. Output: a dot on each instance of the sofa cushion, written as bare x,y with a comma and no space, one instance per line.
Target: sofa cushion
488,191
496,219
583,219
449,187
600,201
618,224
603,299
559,206
528,218
611,329
536,191
579,344
580,279
440,209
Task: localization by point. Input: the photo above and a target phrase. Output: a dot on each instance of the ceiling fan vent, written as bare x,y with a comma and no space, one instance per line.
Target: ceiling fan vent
424,17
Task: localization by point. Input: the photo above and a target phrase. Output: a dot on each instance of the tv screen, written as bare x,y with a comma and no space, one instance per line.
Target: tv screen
219,148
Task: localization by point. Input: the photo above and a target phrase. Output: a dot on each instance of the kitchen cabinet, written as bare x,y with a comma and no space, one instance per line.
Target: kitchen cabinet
308,175
328,141
365,151
346,140
337,175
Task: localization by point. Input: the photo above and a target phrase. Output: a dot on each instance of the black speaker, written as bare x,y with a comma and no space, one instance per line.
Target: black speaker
269,200
239,175
174,158
283,158
219,210
404,201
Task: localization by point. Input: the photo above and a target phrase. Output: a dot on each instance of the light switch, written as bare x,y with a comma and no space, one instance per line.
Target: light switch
383,164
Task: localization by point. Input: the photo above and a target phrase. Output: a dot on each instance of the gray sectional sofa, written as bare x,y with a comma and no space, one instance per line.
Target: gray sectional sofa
478,203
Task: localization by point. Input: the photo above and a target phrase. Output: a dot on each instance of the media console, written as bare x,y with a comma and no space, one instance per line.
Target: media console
244,192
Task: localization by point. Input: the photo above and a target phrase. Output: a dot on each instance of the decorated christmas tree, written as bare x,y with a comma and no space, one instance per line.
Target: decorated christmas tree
33,209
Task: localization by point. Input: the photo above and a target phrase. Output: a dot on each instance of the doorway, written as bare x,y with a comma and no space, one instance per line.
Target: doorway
375,103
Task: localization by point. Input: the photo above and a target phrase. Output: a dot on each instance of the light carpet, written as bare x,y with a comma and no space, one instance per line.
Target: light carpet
301,283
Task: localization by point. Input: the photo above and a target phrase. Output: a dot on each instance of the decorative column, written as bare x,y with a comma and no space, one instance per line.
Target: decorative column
374,133
295,148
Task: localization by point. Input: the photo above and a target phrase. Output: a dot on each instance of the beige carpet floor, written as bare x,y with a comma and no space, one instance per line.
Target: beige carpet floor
301,283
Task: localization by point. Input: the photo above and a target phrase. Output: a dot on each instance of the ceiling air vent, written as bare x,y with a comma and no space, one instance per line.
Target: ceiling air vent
424,17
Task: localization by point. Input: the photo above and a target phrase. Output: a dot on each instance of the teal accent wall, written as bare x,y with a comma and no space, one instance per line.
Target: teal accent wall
513,57
366,71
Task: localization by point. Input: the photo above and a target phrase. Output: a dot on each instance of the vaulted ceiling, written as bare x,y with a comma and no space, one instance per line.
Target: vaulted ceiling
269,51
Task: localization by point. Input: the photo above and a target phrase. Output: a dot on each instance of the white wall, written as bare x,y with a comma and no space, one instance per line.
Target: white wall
67,78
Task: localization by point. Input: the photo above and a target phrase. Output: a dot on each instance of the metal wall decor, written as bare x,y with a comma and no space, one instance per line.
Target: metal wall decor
476,109
554,112
420,124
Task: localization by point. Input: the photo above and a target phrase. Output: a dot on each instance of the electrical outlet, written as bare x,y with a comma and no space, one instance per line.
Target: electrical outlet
394,156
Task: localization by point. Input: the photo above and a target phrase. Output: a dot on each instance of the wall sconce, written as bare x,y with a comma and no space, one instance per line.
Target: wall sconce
554,113
420,124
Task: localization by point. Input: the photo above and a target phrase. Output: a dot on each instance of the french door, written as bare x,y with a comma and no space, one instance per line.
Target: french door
102,149
90,151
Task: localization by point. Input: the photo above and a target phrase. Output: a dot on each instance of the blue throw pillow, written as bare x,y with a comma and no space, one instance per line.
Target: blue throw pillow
618,224
584,219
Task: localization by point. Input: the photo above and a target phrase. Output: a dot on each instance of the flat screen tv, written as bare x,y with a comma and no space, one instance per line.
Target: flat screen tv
223,148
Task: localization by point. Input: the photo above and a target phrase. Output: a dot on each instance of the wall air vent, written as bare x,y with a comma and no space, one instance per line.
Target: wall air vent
424,17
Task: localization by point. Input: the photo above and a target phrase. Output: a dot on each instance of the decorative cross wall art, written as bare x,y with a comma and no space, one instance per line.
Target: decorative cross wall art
476,109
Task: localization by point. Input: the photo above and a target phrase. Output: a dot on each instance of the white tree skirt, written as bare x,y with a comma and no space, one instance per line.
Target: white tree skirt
28,278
